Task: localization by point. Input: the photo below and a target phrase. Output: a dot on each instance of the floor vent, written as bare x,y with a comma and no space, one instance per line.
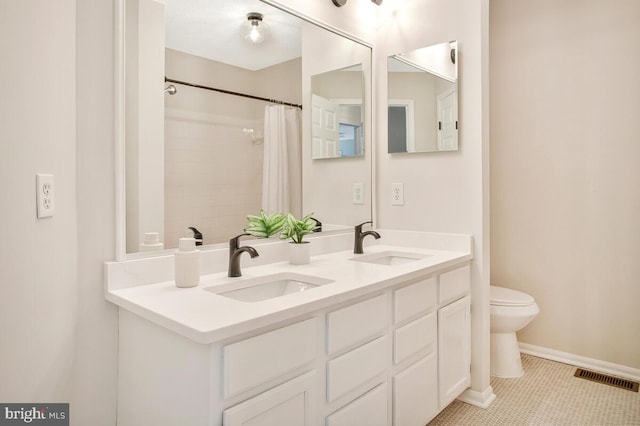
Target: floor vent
607,380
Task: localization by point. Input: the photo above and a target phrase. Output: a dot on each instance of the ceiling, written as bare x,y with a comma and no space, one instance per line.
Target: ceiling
212,29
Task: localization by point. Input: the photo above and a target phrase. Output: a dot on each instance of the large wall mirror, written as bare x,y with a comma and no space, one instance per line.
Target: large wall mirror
217,120
423,99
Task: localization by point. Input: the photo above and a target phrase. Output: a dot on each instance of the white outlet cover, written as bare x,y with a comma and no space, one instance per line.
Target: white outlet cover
45,195
358,193
397,194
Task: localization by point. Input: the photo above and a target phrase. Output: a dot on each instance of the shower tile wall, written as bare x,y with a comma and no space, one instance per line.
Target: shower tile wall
213,175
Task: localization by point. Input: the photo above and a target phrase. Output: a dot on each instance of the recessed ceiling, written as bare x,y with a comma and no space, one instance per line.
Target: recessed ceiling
212,29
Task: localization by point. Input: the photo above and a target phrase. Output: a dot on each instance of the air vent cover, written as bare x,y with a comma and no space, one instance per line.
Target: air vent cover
607,380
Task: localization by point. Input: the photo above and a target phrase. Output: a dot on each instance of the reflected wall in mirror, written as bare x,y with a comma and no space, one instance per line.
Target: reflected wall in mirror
329,185
336,121
423,99
204,158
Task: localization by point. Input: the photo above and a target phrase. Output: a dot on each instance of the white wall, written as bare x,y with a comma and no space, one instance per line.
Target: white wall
38,272
444,192
58,332
93,400
565,176
327,183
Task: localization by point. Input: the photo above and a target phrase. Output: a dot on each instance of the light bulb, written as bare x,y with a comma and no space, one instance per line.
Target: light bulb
255,30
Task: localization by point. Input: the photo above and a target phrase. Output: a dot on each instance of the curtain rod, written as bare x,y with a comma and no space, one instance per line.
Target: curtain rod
229,92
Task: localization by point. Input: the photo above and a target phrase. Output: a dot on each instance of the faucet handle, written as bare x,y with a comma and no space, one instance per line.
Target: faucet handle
234,242
359,227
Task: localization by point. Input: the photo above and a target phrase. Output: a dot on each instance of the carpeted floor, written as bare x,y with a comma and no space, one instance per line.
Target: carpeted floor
549,395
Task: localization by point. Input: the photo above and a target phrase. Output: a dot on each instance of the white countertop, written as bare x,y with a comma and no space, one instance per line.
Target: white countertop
206,317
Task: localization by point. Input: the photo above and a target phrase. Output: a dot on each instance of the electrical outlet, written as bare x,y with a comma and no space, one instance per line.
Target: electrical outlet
45,195
358,193
397,194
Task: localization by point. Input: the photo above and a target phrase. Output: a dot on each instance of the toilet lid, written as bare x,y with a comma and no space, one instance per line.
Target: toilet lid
501,296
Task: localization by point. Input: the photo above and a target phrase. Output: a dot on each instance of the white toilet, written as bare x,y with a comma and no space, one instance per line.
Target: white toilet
510,311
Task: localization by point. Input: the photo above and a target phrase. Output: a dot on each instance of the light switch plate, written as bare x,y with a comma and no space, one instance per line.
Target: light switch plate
45,195
397,194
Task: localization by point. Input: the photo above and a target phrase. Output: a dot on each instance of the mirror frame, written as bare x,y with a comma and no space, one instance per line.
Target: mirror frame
120,254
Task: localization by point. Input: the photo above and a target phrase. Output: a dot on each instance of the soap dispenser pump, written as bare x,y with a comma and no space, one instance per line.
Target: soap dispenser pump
187,263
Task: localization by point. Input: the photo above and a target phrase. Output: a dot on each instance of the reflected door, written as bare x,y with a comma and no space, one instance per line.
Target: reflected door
447,124
324,128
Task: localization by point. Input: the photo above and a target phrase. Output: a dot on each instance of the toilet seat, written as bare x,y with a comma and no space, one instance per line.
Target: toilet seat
501,296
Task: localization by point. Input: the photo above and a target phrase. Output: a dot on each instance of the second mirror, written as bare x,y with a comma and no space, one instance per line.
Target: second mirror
423,100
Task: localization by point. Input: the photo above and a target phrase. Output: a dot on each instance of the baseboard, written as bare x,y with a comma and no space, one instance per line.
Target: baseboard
581,361
478,399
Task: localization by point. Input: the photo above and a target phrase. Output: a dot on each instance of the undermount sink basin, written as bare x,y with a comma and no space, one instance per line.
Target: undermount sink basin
268,287
390,257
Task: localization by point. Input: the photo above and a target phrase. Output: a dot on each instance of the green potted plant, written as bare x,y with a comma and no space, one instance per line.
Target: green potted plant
296,229
265,225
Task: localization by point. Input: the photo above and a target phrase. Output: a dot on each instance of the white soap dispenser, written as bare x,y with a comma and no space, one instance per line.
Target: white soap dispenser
151,242
187,263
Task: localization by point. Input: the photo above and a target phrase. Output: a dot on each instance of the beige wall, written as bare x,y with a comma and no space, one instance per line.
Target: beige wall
565,178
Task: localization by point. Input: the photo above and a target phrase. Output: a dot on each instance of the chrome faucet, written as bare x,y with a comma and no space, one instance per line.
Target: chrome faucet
234,255
359,236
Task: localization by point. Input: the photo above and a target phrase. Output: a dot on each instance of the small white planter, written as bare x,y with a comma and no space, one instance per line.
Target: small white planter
300,254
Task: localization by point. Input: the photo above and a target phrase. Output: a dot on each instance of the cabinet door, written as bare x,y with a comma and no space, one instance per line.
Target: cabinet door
290,404
415,393
454,347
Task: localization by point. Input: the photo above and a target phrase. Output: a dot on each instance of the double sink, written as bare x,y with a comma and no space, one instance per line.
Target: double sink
276,285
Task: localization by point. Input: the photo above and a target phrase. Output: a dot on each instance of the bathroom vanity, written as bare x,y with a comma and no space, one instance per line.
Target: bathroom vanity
382,339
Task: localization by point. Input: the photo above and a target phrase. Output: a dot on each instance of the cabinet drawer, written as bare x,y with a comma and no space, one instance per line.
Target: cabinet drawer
256,360
290,404
415,299
356,324
354,368
370,409
415,336
454,284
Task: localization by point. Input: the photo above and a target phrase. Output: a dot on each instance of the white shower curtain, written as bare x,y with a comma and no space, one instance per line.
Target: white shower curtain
282,168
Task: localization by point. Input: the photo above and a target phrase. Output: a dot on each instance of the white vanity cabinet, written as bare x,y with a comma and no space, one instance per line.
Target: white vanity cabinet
431,346
454,335
393,357
261,378
415,355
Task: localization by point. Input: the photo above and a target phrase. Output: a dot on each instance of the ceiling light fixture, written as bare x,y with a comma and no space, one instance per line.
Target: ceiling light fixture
255,30
340,3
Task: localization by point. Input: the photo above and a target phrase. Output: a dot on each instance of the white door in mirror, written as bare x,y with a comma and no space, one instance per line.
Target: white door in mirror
45,195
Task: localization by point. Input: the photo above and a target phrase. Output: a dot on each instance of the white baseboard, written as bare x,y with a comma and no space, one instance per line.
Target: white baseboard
479,399
581,361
